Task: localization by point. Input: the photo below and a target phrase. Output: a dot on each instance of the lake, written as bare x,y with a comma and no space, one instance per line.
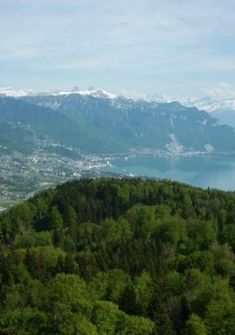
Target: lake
204,171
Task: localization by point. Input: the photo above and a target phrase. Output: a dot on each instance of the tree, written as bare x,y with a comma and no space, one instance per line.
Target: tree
105,316
56,226
144,289
133,325
71,222
220,317
195,326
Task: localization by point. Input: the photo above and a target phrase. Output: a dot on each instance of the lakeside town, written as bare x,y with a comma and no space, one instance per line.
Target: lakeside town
21,176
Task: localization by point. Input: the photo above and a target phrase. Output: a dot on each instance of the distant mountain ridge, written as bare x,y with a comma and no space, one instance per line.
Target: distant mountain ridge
97,122
47,139
139,124
17,93
221,109
49,124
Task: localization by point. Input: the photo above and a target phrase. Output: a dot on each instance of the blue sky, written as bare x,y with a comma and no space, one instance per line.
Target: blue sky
172,47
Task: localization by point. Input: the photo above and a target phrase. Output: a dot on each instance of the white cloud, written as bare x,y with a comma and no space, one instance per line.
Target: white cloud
89,63
147,45
220,91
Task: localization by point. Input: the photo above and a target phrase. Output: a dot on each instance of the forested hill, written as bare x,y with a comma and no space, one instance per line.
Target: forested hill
119,256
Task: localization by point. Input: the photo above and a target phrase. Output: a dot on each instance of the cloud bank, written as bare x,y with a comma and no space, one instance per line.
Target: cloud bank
175,47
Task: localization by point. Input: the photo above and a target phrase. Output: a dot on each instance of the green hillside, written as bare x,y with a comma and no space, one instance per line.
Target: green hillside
52,125
16,137
140,124
119,256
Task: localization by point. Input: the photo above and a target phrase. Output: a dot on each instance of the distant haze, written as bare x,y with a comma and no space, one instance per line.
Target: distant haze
177,48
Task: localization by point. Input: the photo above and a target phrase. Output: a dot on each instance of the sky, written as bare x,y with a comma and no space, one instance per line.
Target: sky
180,48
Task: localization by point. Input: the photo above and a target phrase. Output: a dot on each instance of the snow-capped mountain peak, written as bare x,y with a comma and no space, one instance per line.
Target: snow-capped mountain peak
159,98
208,104
211,105
96,93
12,92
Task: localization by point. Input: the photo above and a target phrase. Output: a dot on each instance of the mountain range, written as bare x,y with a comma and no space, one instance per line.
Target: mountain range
221,109
96,121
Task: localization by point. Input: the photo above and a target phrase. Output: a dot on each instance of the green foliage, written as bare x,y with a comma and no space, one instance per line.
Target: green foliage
195,326
42,262
105,316
133,325
33,239
119,257
22,321
220,317
144,290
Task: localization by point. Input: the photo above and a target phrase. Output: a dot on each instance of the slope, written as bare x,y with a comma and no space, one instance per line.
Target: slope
52,124
119,256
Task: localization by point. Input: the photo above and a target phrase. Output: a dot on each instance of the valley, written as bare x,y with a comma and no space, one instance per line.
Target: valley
47,139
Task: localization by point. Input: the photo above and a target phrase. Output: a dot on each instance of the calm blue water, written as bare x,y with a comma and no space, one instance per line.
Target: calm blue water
215,171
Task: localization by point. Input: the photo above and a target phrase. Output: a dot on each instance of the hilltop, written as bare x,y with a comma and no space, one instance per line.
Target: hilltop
119,256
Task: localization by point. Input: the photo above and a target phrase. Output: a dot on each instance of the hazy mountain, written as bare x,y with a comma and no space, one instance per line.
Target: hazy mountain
43,138
17,137
50,124
221,109
141,124
96,123
225,116
13,92
16,93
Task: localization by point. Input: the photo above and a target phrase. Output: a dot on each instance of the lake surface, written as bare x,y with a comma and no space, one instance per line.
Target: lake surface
204,171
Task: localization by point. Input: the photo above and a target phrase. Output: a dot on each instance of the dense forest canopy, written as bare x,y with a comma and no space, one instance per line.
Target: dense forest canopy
119,256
